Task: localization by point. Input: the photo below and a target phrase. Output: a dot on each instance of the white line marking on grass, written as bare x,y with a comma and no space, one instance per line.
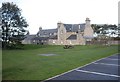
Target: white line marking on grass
107,64
75,69
98,73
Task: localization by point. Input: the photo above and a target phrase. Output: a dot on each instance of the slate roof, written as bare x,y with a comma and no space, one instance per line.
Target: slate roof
82,27
47,32
72,37
74,27
29,37
69,28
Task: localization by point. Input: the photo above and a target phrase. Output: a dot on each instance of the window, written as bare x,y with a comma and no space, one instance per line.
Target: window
61,42
53,41
33,40
70,42
45,33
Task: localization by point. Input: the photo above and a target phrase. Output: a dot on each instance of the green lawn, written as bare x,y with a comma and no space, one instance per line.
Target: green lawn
28,65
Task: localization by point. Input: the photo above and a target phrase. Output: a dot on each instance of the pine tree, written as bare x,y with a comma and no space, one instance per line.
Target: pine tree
13,25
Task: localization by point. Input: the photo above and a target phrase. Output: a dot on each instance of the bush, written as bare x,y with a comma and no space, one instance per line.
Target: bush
68,47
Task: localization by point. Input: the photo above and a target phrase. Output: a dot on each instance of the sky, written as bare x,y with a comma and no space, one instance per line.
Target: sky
47,13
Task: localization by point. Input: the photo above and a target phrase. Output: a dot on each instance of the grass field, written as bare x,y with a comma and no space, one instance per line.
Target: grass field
27,64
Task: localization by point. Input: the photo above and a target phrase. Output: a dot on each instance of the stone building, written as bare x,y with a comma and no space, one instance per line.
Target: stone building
29,39
66,34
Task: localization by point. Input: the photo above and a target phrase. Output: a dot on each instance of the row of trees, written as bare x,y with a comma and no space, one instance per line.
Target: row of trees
105,29
105,33
12,25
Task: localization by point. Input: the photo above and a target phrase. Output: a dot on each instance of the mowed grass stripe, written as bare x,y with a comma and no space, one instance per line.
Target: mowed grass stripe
28,65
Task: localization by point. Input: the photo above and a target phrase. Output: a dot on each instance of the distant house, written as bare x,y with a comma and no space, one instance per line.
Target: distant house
65,34
33,39
29,39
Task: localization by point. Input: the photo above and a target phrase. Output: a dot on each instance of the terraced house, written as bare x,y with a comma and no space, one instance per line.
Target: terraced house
65,34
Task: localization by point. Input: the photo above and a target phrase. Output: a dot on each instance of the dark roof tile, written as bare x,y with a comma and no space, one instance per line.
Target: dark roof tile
47,32
74,27
29,37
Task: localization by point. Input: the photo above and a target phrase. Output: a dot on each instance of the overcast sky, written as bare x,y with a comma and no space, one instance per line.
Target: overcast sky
46,13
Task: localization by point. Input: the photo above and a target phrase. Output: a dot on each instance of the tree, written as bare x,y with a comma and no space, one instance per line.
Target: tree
105,32
105,29
13,25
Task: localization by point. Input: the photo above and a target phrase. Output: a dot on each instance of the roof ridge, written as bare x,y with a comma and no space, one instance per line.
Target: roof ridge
50,29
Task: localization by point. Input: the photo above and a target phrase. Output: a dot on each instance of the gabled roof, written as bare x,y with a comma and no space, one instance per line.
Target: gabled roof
74,27
72,37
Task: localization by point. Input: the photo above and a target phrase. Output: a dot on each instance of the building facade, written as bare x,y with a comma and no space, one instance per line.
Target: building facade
66,34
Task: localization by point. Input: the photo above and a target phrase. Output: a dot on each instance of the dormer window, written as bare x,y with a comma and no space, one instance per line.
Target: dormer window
50,34
45,33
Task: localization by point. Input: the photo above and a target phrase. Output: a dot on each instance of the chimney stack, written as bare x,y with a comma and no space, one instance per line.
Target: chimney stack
87,21
40,28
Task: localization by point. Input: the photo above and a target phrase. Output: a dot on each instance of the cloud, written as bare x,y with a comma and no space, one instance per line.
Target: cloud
47,13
